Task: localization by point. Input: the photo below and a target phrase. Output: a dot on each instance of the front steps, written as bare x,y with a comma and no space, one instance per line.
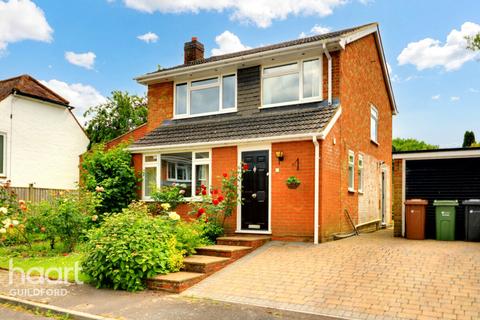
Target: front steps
208,260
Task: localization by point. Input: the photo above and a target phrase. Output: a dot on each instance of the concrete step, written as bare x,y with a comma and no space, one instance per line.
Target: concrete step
225,251
175,282
204,264
253,241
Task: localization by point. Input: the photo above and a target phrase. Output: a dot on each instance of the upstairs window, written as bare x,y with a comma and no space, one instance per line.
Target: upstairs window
207,96
360,173
374,124
3,154
290,83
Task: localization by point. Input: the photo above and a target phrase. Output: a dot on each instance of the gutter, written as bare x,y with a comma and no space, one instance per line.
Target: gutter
316,189
329,57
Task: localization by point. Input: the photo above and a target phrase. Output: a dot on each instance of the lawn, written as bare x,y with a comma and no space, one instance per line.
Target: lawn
40,256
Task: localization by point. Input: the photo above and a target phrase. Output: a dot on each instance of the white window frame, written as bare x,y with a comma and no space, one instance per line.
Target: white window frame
360,173
374,116
195,162
176,173
300,87
351,165
3,169
219,84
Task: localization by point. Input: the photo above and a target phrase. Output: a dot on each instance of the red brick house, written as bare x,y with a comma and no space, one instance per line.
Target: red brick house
317,108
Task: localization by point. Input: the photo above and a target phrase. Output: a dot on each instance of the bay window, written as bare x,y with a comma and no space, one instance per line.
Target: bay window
207,96
188,170
295,82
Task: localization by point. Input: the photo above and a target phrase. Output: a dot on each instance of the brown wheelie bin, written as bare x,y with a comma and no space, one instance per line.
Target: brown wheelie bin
415,211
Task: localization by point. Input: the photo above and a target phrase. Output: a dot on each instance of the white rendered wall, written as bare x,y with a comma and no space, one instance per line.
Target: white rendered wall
44,143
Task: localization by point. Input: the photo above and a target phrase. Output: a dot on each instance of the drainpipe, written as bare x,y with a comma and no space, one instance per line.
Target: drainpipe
316,188
329,57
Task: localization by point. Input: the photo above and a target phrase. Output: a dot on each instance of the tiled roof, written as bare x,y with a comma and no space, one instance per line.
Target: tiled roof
304,119
28,86
296,42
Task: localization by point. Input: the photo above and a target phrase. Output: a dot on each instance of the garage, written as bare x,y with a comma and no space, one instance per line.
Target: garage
443,174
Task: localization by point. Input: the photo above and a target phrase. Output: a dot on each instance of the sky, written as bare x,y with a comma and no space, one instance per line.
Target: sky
86,49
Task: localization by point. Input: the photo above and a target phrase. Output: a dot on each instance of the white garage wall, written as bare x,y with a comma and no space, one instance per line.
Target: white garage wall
44,143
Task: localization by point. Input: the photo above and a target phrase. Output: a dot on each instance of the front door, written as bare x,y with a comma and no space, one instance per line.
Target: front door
254,213
383,200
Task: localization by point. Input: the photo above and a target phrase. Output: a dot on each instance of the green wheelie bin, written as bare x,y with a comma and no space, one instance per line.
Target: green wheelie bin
445,211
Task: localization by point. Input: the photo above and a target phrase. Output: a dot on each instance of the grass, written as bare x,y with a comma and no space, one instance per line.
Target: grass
41,257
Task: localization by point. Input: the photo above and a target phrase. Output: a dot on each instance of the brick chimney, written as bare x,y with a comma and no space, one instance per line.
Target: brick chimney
193,50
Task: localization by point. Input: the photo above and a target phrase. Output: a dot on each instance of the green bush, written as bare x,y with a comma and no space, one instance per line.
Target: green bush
111,173
130,247
66,217
189,235
171,195
12,217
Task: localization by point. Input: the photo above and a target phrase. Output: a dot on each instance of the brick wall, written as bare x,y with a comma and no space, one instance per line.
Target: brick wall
160,104
361,83
130,136
397,197
137,160
292,209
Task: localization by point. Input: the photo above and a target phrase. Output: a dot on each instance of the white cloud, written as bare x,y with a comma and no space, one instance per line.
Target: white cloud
81,96
148,37
85,60
430,53
258,12
228,42
22,20
436,97
473,90
454,98
316,29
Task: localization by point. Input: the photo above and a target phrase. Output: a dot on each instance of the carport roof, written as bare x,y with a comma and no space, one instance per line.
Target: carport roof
438,153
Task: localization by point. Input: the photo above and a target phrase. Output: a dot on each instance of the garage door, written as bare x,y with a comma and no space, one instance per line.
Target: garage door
443,179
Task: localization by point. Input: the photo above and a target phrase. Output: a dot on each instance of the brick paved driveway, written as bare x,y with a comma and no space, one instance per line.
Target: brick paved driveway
373,276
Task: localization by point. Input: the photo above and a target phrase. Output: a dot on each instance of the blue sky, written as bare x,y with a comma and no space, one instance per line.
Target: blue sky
85,49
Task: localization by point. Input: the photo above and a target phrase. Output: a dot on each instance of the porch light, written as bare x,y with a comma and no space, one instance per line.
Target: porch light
279,155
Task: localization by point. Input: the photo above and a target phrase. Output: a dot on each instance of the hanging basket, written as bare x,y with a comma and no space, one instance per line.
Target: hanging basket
293,185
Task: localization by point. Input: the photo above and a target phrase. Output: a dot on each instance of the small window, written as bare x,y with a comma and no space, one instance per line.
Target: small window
374,124
311,78
151,158
181,99
3,154
176,168
360,173
351,171
228,92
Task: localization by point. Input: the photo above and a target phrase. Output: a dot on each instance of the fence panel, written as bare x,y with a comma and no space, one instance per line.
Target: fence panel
36,195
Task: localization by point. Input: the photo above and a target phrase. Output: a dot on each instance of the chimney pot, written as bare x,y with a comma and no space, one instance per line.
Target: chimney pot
193,50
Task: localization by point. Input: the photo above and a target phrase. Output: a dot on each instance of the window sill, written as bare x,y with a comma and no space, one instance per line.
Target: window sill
374,142
190,199
291,103
360,192
351,190
179,117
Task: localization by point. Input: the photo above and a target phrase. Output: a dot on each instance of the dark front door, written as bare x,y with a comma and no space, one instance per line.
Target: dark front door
255,191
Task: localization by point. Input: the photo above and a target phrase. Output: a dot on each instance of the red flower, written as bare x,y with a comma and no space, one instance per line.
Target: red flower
203,187
245,166
65,254
215,202
225,175
200,212
204,192
220,198
214,191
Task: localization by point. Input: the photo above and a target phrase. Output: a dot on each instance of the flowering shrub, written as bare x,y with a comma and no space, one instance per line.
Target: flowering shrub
12,217
66,217
169,197
216,207
131,246
110,173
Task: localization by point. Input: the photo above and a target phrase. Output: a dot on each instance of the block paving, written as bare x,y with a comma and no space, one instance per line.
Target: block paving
372,276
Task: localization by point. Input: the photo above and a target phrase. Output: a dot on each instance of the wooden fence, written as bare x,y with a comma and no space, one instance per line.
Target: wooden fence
35,195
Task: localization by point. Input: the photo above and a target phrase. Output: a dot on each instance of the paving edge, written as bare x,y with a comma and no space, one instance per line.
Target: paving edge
78,315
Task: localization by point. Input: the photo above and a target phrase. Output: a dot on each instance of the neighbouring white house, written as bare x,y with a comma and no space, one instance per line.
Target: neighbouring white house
40,138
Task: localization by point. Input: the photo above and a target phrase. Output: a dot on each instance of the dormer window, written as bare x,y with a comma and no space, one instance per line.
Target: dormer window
206,96
291,83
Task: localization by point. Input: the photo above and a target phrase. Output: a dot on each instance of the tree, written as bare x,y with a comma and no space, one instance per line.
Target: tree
468,139
120,114
400,144
474,42
110,173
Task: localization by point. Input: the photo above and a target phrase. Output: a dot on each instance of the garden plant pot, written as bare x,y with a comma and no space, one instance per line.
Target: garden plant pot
293,185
